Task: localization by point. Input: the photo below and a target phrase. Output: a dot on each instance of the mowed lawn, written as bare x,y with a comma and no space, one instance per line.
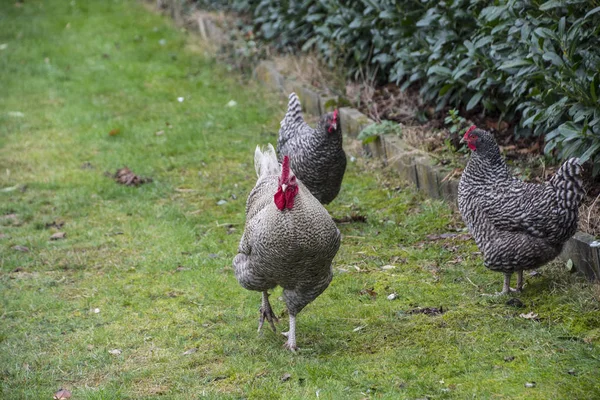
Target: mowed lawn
139,299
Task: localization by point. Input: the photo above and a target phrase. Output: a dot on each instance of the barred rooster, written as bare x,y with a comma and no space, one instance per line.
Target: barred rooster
316,155
289,240
516,225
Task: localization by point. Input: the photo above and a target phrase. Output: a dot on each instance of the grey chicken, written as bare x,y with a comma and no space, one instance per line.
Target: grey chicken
289,240
516,225
316,155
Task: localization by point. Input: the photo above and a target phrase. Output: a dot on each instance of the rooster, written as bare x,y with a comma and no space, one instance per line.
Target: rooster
516,225
316,155
289,240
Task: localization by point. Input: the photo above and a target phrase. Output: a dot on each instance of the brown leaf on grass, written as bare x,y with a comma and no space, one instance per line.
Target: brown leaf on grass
181,268
20,248
350,218
427,310
126,177
62,394
372,293
114,132
55,224
58,236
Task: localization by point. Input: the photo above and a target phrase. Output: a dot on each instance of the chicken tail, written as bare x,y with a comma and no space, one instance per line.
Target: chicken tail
568,184
293,116
265,161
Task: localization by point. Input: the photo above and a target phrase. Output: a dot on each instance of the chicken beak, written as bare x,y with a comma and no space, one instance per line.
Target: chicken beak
283,187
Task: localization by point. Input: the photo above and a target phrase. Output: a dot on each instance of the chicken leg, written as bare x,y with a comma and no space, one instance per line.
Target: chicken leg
291,335
506,288
519,280
266,312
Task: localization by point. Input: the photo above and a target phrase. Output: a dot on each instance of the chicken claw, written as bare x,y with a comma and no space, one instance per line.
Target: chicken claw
266,312
291,335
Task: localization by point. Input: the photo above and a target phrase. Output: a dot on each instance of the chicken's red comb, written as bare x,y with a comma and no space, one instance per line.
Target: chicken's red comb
335,115
472,128
285,168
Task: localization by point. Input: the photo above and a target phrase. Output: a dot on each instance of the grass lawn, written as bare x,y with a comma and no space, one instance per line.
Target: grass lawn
147,270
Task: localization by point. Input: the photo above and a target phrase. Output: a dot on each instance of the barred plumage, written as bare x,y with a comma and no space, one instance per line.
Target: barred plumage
316,155
288,241
516,225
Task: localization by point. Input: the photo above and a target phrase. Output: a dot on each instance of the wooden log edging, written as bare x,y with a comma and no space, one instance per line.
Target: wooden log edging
413,165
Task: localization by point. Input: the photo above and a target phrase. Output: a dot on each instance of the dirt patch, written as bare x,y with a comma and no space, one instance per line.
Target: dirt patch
432,311
350,218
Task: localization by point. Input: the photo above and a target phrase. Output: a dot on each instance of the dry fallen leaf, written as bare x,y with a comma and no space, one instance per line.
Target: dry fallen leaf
115,352
427,310
126,177
62,394
190,351
20,248
372,293
114,132
530,315
286,377
58,236
55,224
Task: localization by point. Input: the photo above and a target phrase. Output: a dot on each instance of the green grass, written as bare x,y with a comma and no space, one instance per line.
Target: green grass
77,70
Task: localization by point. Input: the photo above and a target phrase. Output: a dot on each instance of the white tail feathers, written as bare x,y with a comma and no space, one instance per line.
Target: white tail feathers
293,116
265,161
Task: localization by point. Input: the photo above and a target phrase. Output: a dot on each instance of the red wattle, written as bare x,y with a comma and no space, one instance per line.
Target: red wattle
285,199
279,199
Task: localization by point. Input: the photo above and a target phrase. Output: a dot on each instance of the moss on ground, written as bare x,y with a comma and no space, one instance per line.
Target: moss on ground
147,270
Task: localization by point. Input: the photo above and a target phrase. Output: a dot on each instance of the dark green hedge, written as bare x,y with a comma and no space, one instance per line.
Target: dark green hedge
538,61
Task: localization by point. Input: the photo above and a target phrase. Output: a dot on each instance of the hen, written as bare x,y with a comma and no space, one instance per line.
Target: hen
316,155
516,225
289,240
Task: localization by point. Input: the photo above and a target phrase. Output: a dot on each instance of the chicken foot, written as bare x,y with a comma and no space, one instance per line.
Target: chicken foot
291,335
266,312
506,288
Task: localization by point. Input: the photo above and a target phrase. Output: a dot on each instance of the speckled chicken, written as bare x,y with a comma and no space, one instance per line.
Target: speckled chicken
316,155
289,240
516,225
